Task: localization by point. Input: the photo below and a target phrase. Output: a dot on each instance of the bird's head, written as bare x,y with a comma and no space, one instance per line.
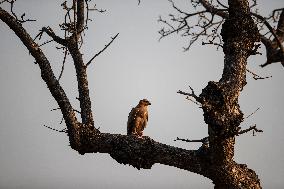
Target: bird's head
144,102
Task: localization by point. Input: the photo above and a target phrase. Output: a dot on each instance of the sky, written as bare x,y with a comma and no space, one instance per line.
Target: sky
134,67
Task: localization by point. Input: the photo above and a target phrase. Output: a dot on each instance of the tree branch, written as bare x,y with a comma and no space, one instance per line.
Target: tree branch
204,140
46,71
270,29
256,77
80,15
63,64
273,54
207,26
56,38
210,8
192,94
251,128
140,152
106,46
211,33
83,88
60,131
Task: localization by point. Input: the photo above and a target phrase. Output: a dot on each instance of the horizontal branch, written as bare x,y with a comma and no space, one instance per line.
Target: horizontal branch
60,131
251,128
139,152
204,140
256,77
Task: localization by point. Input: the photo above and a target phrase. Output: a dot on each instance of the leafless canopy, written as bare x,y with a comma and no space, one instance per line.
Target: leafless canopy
206,17
237,21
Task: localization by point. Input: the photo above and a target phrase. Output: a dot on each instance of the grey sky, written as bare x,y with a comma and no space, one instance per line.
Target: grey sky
135,66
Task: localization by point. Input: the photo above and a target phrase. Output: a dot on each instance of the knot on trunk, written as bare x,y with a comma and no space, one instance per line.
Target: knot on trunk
221,111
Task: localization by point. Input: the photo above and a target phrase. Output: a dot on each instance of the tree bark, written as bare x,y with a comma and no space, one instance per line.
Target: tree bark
83,86
220,99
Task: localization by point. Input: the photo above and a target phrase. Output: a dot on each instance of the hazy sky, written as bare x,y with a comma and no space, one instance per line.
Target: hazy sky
135,66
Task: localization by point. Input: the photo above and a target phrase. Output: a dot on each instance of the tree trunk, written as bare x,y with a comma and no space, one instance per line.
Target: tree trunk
220,100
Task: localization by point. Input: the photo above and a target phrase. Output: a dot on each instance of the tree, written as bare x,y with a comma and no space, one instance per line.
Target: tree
217,100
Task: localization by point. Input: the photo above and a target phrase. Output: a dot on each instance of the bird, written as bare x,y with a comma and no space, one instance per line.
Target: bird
138,118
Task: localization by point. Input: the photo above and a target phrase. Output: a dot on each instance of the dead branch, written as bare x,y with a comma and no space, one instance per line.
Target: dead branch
212,43
56,38
23,19
63,64
60,131
251,128
252,113
204,140
222,5
106,46
207,27
46,42
254,3
192,94
46,71
270,29
54,109
188,98
256,77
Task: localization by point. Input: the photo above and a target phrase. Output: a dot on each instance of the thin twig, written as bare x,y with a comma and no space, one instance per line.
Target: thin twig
224,6
62,119
192,94
212,43
46,42
60,131
54,109
270,29
252,113
106,46
63,63
187,98
256,77
204,140
77,111
253,128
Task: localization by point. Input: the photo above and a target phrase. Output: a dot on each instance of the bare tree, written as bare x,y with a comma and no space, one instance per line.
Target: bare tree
206,21
219,100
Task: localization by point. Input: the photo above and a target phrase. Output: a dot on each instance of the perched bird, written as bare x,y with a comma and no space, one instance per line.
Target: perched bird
138,118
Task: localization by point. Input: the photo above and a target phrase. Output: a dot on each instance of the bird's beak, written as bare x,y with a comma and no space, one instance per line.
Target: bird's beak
149,103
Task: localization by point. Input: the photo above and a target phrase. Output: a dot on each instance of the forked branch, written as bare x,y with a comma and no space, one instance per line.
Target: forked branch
192,94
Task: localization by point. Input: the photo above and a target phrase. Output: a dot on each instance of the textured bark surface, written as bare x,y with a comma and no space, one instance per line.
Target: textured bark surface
219,102
83,88
220,99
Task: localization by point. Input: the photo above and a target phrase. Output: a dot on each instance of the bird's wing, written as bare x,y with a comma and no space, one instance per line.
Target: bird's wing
147,115
132,117
144,120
